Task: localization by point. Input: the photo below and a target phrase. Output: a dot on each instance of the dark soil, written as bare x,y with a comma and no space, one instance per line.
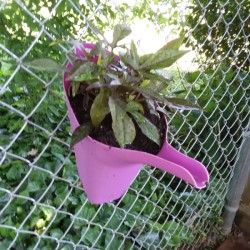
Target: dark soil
236,240
105,133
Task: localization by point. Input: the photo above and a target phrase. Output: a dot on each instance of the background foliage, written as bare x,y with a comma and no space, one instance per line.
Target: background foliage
221,31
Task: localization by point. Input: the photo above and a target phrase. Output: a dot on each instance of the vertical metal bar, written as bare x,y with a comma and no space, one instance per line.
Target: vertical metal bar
237,186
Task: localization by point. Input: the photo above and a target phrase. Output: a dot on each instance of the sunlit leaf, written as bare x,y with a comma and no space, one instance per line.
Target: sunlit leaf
134,106
179,103
148,93
162,59
122,124
134,54
44,64
145,83
57,41
120,31
144,58
32,152
158,76
100,107
100,60
146,127
80,133
172,45
156,82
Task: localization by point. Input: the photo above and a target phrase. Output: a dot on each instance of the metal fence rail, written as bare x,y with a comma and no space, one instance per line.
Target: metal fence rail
42,203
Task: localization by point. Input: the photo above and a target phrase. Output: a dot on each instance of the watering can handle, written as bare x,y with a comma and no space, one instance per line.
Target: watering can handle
176,163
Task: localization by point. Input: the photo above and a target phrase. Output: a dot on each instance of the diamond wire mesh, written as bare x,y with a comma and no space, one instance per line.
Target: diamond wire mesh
42,203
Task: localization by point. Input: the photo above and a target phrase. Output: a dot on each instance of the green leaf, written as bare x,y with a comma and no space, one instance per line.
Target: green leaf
85,72
33,186
90,234
74,87
107,59
172,45
122,124
147,128
113,242
120,31
100,107
179,103
56,233
148,93
48,212
134,55
44,64
173,102
80,133
158,76
162,59
161,79
128,61
134,106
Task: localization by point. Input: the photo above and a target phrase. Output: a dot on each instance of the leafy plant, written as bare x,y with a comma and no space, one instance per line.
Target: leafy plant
127,87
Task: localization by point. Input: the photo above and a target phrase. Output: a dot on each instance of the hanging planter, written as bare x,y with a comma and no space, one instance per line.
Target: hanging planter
115,112
107,172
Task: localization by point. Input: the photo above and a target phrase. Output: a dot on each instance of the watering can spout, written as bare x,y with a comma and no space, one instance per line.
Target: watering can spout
191,170
176,163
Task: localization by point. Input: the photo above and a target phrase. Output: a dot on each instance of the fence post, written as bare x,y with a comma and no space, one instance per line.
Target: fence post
237,185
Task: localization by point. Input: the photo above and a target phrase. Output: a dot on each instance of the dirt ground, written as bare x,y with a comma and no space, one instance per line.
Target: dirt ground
237,240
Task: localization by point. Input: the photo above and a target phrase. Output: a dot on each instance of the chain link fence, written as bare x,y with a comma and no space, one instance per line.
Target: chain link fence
42,202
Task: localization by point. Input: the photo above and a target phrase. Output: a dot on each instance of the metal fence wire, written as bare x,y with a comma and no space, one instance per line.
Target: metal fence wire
42,202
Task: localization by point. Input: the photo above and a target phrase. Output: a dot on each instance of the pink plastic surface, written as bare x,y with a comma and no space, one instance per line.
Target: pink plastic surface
107,172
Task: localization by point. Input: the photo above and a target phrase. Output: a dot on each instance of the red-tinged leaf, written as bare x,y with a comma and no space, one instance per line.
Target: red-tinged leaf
80,133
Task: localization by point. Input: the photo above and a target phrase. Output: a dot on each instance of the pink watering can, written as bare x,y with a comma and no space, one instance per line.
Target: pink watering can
107,172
